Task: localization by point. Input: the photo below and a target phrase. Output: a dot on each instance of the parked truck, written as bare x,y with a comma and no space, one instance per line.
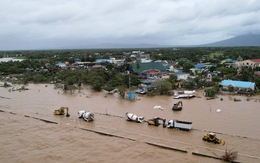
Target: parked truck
182,125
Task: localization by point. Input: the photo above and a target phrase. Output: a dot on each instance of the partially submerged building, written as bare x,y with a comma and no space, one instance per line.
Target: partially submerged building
240,87
150,69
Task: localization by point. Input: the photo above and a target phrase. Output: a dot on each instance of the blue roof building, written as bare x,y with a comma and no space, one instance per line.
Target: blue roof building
199,66
238,84
77,60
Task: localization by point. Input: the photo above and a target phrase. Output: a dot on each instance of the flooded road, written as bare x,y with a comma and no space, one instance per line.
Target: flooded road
25,137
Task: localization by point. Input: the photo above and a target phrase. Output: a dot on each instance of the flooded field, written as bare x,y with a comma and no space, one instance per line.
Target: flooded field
26,137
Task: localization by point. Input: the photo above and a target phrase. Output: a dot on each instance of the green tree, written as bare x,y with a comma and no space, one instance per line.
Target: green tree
211,92
72,88
172,79
216,78
189,84
138,65
187,66
122,90
166,86
97,87
38,78
246,74
257,81
98,75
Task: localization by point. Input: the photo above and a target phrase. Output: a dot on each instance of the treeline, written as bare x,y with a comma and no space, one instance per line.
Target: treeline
33,68
193,54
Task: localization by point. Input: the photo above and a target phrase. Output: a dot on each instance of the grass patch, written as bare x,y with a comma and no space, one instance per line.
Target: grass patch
216,54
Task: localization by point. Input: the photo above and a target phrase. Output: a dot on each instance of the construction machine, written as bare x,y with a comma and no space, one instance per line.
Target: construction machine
135,118
155,121
177,106
87,116
61,111
211,137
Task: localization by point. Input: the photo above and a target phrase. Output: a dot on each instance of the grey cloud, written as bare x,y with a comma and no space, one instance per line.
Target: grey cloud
168,22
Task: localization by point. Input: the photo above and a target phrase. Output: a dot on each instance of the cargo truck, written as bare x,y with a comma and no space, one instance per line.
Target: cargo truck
182,125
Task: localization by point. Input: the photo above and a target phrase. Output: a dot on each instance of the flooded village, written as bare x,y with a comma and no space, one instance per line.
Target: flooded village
169,115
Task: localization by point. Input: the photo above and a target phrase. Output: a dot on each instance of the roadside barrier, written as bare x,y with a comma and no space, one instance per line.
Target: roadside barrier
146,142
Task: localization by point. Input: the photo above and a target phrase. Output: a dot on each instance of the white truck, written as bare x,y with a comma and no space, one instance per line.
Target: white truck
135,118
87,116
182,125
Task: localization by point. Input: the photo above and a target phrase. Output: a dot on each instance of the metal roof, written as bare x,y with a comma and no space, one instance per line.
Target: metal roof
147,66
239,84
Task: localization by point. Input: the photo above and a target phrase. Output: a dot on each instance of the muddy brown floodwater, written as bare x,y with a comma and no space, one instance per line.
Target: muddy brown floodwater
26,137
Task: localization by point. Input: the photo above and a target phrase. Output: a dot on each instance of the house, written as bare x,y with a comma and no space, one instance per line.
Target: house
201,67
238,84
230,63
10,59
181,75
150,85
136,52
143,60
110,60
77,60
119,61
144,57
61,65
170,65
257,73
239,59
149,69
250,63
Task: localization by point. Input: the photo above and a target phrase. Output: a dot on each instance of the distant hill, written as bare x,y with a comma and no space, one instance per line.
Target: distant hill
243,40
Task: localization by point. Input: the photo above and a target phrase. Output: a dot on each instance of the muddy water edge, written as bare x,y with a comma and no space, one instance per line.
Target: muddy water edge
25,137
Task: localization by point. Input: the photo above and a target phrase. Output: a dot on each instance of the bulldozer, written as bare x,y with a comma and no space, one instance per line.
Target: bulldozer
177,106
155,121
211,137
61,111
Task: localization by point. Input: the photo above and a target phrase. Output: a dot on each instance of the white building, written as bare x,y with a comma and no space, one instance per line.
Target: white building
10,59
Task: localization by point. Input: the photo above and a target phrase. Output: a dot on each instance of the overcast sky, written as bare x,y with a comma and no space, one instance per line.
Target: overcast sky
38,24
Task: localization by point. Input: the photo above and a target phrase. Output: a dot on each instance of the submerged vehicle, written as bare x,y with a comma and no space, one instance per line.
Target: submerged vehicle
61,111
155,121
87,116
177,106
182,125
211,137
135,118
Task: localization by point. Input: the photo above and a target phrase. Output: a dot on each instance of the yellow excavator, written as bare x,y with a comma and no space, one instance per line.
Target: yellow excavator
155,121
61,111
211,137
177,106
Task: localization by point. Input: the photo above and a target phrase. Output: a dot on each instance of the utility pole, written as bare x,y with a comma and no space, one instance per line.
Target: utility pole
209,107
129,80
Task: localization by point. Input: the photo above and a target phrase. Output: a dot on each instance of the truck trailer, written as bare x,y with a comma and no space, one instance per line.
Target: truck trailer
181,125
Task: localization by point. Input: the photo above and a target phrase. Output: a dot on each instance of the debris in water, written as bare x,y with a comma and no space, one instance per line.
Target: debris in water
229,155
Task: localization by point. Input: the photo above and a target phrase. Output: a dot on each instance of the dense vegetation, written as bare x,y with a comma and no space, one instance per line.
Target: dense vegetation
36,62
